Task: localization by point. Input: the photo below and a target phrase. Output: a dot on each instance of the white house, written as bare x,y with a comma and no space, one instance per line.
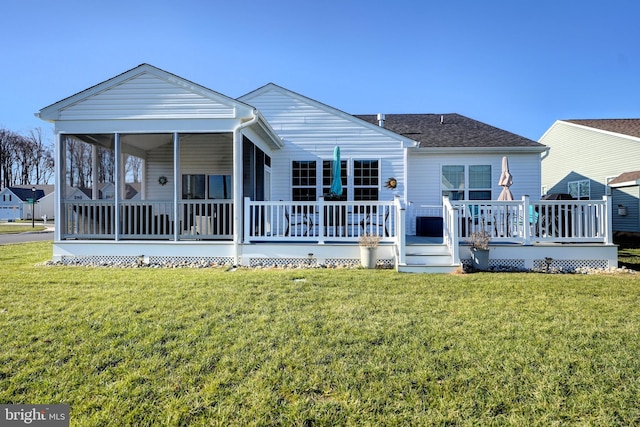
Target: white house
248,181
16,202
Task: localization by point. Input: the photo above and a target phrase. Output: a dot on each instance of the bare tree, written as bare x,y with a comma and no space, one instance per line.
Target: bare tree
133,168
8,142
43,165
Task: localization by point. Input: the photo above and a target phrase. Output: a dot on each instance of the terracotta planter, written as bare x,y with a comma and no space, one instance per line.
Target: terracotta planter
368,257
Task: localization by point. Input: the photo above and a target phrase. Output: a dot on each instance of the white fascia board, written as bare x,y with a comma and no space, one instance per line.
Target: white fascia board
549,130
478,150
604,132
266,127
625,184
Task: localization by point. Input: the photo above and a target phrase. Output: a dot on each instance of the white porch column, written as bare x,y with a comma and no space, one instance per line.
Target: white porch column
176,182
119,167
60,146
237,193
94,172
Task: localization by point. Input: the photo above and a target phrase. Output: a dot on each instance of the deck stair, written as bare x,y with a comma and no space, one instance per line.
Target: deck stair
428,258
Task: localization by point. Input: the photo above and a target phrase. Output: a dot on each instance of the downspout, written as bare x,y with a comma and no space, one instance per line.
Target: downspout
238,208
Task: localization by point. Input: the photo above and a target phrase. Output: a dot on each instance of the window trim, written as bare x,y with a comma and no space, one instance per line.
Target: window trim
580,187
466,189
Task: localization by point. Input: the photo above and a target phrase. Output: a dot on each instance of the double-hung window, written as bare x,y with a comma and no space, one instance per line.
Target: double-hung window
366,179
308,185
479,182
303,180
466,182
327,178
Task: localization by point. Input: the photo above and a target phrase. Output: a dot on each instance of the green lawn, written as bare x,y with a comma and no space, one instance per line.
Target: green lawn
19,228
317,347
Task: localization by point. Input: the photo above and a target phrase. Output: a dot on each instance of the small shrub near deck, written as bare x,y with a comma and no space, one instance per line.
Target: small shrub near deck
317,347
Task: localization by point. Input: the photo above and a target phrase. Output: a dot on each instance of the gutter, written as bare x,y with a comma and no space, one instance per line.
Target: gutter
238,208
481,150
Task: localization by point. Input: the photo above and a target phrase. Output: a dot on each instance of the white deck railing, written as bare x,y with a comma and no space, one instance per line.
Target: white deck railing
319,221
148,219
562,221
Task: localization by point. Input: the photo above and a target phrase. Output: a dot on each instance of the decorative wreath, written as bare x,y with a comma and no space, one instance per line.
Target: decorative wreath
163,180
391,183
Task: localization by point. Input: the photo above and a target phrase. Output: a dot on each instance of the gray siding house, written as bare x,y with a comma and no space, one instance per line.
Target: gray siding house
593,158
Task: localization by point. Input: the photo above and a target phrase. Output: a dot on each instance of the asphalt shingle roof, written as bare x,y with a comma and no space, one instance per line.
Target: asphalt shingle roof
450,130
629,127
626,177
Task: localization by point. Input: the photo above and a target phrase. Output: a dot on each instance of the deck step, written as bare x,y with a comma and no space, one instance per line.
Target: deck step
428,258
449,268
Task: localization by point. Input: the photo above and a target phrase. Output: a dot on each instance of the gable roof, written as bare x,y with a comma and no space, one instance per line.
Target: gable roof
26,193
626,179
406,141
629,127
451,130
206,97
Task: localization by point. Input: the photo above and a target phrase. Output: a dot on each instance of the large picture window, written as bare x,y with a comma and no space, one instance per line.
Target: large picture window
303,180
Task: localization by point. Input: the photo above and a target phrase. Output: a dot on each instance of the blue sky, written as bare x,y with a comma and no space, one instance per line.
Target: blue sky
513,64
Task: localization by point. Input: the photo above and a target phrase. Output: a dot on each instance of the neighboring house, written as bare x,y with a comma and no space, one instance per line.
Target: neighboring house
590,159
247,181
15,202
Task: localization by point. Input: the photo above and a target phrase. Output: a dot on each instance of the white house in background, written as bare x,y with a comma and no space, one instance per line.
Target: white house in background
592,158
247,181
15,202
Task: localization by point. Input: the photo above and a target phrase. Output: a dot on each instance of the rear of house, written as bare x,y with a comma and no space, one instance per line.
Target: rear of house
247,181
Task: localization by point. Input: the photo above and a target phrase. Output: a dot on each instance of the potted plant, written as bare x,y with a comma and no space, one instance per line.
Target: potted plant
369,250
479,241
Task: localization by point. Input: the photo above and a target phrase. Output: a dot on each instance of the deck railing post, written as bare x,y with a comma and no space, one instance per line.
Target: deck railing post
526,220
321,219
608,221
247,220
401,237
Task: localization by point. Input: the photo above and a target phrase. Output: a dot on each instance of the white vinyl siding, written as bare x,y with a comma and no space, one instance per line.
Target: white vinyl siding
147,96
425,174
208,154
577,153
311,131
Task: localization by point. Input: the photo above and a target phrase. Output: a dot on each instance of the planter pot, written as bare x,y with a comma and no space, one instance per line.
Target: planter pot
480,259
368,257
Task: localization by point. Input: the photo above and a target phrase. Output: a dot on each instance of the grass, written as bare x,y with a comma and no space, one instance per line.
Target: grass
629,257
317,347
15,228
